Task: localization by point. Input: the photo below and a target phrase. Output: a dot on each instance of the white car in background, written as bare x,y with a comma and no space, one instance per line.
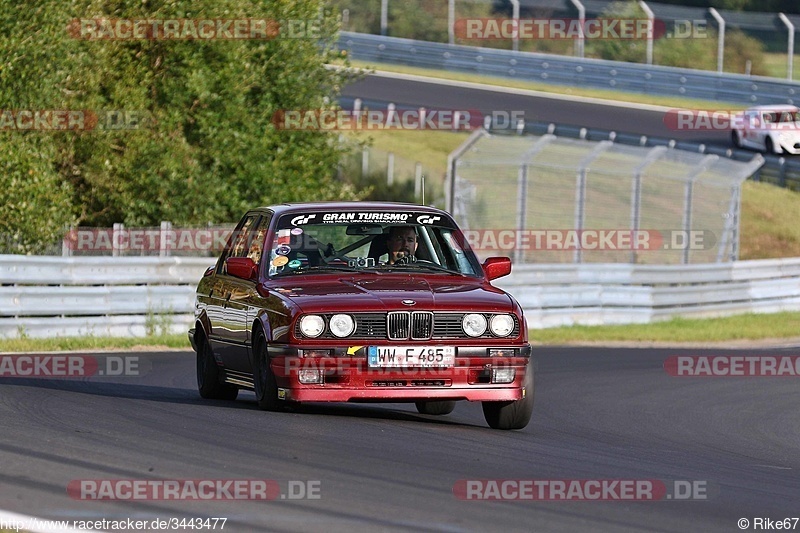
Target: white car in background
774,129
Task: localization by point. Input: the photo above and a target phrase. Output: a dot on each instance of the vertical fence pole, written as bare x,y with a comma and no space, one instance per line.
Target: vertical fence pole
66,242
515,17
451,21
582,20
164,240
580,211
720,37
116,234
418,181
384,16
650,24
364,162
522,208
688,192
790,50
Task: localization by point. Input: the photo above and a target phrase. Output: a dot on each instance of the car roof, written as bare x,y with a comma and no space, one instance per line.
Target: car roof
279,209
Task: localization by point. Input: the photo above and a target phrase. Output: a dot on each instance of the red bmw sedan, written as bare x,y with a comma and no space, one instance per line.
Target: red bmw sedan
361,302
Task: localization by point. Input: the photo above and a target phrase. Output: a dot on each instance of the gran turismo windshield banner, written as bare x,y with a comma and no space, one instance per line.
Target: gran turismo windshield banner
365,217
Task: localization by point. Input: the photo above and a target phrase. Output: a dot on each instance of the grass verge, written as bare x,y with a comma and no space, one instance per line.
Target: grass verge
59,344
741,327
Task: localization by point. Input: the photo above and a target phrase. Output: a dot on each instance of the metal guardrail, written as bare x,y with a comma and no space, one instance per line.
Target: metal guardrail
555,295
780,171
569,71
44,296
55,296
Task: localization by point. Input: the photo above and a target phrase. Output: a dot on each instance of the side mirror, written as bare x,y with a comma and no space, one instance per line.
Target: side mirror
241,267
497,267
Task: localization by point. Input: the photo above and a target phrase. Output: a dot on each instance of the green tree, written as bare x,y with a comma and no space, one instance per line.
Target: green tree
209,149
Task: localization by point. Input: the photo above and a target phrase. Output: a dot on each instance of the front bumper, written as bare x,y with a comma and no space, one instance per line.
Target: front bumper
350,379
790,145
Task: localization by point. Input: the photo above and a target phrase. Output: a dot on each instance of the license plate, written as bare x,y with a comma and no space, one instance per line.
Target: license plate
407,356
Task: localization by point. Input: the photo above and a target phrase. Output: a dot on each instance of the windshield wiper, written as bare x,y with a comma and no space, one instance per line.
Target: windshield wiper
320,268
425,265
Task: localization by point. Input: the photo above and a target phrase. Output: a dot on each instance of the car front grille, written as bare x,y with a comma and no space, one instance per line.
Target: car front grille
408,325
402,325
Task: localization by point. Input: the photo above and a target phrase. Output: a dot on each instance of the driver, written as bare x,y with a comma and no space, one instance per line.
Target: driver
402,244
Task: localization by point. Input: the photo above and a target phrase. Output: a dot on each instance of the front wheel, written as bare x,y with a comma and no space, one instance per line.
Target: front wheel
443,407
208,383
515,414
266,388
769,146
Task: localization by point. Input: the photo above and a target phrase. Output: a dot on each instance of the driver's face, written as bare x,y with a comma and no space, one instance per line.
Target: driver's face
402,242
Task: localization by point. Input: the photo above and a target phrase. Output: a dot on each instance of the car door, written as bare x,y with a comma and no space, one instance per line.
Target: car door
221,337
240,299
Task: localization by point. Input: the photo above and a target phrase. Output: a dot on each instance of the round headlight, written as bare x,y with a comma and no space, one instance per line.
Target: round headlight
474,324
502,325
312,325
342,325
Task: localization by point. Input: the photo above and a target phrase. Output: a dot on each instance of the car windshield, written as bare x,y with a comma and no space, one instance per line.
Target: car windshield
374,241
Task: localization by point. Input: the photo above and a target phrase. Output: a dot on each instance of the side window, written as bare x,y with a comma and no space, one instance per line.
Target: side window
238,243
256,248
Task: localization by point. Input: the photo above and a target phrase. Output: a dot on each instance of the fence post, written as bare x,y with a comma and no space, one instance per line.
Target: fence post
782,172
522,207
720,37
451,21
384,16
163,242
582,20
418,180
515,17
790,59
66,244
650,24
364,162
116,233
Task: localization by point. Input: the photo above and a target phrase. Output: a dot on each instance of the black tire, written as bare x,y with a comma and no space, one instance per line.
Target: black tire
515,414
769,146
208,382
737,141
442,407
266,388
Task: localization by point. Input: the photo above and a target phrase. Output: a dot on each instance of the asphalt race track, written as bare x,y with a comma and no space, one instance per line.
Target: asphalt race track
600,413
378,91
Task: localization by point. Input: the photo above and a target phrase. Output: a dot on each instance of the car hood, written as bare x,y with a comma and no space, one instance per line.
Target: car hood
389,292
